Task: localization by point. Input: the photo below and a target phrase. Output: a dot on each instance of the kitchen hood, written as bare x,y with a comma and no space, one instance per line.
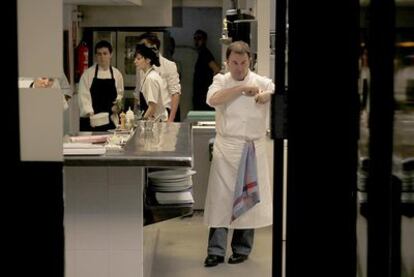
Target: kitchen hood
104,2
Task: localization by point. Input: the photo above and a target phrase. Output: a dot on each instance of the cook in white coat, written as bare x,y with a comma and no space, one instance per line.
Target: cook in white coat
100,87
241,100
167,69
146,57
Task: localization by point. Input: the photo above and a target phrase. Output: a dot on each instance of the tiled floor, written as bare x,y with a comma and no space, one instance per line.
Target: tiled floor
181,249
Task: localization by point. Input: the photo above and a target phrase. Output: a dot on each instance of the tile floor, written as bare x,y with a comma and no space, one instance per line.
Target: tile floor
181,245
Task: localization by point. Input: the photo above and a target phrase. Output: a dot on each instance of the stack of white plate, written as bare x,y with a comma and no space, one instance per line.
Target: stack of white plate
172,186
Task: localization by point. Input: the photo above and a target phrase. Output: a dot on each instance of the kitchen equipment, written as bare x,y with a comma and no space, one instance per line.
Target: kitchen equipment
197,116
202,137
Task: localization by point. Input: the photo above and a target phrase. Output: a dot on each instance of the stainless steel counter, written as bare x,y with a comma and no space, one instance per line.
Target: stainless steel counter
166,145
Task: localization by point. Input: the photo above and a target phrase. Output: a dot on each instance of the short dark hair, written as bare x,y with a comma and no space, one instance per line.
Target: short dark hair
149,52
238,47
151,38
201,34
103,44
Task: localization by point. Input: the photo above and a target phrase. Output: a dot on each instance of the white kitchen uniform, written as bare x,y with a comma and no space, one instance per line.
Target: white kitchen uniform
168,72
237,121
85,83
151,88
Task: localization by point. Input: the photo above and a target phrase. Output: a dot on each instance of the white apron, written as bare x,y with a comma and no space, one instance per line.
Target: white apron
222,181
237,121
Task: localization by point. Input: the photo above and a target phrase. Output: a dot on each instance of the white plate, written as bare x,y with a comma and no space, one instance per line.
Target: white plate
171,189
170,180
171,198
172,184
119,131
171,174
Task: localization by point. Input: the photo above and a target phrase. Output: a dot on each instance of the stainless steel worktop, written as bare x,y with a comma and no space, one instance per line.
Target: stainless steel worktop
165,145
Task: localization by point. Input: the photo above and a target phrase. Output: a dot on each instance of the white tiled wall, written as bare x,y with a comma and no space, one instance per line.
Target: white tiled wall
103,221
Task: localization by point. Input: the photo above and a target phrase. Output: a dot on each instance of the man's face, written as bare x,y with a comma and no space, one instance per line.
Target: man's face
103,57
198,40
238,65
43,82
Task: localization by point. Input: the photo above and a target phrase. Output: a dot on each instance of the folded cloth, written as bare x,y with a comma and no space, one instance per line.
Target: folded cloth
246,193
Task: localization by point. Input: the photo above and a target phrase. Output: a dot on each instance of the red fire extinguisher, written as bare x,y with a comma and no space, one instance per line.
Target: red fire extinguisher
82,59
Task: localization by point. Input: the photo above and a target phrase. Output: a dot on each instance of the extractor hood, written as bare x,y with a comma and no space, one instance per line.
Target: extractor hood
104,2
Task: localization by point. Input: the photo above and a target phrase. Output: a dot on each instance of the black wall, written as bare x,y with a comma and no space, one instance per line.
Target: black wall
32,192
322,138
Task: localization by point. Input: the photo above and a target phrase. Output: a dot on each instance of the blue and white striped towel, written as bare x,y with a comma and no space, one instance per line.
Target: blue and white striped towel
246,193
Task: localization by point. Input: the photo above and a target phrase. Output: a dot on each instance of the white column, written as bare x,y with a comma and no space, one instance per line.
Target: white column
40,55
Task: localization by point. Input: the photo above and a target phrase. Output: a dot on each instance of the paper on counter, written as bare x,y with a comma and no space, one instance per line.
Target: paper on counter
91,139
83,149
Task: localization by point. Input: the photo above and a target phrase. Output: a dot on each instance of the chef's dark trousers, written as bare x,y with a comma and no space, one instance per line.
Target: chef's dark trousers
241,242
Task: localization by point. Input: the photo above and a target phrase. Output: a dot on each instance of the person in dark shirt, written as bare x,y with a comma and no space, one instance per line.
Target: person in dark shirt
205,68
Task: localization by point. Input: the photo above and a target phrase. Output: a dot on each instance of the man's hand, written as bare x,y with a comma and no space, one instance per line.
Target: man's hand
262,97
90,121
250,91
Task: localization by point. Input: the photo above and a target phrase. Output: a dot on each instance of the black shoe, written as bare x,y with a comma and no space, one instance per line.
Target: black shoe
213,260
237,258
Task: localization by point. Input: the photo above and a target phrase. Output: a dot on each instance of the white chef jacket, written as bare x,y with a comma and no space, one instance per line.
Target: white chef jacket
242,117
85,83
151,88
169,74
65,86
237,121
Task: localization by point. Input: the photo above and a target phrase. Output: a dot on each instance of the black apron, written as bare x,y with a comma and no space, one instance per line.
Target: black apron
143,106
103,94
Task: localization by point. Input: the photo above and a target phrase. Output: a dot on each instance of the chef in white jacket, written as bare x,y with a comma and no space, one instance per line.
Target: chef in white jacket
241,99
100,87
167,69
